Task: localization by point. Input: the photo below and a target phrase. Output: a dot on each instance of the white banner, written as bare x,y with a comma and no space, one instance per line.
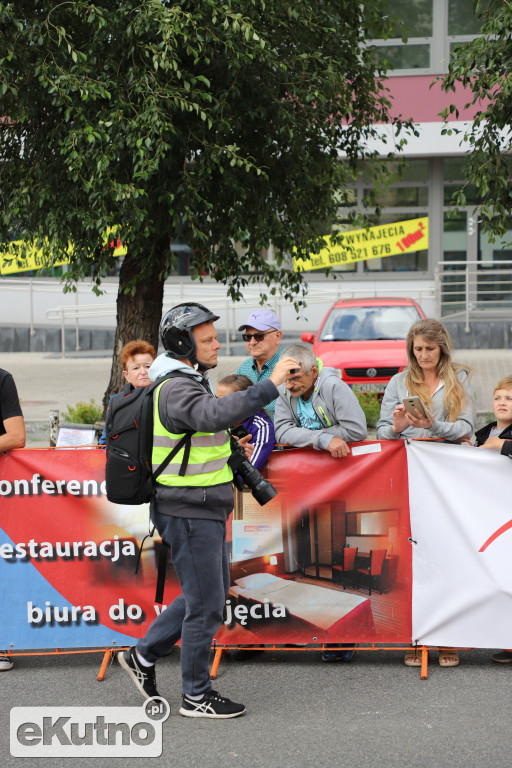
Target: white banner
461,527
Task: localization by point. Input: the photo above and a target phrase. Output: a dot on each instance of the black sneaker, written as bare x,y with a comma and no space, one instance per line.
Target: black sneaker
143,677
211,705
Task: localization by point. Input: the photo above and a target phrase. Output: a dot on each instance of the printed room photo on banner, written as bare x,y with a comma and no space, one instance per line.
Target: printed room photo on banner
328,559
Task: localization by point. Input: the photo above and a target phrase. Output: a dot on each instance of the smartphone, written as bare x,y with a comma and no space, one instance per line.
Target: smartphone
411,403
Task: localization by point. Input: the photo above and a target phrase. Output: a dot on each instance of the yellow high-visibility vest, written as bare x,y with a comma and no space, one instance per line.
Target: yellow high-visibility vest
207,462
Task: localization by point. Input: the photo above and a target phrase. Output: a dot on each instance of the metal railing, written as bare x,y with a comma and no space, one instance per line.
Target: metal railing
473,288
319,297
219,302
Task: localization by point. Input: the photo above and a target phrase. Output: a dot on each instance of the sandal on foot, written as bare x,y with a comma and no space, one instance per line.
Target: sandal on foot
448,658
412,658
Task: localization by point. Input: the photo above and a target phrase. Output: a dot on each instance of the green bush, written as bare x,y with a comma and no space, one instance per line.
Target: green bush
370,403
83,413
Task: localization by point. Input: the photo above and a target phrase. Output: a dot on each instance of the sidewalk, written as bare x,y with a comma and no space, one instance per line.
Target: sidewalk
46,382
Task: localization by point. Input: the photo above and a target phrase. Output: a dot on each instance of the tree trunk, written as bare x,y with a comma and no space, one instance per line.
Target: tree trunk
138,315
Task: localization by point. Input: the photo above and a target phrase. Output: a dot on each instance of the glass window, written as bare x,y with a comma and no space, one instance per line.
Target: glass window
369,323
411,17
453,168
404,170
403,262
415,170
462,20
398,196
403,56
470,192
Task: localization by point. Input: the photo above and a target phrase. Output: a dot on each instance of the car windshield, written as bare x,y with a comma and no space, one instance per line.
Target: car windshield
368,323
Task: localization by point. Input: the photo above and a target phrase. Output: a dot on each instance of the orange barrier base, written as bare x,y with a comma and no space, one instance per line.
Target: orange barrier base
109,653
370,647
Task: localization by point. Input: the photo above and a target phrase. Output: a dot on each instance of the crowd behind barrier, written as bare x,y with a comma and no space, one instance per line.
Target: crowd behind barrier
270,555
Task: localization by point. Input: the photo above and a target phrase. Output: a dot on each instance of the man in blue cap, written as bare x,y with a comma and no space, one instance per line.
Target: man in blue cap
262,334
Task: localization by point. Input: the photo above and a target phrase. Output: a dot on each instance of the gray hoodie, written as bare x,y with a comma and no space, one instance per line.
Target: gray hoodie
449,430
336,406
185,403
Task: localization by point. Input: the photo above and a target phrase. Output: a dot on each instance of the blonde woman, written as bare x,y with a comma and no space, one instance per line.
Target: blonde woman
442,385
444,388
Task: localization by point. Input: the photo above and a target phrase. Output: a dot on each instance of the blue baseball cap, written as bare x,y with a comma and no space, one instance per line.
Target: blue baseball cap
262,320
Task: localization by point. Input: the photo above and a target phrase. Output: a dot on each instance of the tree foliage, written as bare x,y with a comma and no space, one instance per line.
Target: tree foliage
222,120
484,67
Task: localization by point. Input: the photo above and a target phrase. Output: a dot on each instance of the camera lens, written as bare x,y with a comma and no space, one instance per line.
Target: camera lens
261,489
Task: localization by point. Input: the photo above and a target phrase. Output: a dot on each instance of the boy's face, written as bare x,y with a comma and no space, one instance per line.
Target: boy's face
223,389
502,405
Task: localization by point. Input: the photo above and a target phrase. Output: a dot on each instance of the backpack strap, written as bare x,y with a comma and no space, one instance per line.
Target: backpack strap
185,441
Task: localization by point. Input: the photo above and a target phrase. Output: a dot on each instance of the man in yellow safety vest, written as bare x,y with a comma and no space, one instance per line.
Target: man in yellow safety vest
192,502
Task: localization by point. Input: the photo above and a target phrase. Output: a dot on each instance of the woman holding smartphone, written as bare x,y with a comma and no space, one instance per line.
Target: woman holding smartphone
443,388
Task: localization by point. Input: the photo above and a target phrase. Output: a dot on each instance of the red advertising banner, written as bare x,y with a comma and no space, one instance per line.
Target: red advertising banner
327,560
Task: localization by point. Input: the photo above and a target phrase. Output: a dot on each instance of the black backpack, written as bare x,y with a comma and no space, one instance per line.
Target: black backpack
129,429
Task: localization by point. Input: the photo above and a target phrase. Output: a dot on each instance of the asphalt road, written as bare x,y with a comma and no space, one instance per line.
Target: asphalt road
373,712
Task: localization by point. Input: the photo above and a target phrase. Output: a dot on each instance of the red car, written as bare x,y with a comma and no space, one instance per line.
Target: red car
365,339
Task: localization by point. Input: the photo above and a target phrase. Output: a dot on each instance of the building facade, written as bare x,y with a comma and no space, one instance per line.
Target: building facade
467,276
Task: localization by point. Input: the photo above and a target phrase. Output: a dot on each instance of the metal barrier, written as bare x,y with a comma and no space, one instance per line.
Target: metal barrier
320,296
472,288
219,302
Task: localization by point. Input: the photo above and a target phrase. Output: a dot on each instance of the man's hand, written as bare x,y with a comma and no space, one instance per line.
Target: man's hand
282,370
338,448
246,445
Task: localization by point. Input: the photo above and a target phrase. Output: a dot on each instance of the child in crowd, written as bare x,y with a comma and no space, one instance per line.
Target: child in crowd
498,436
258,426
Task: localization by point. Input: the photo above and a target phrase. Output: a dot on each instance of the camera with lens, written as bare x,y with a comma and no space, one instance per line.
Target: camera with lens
244,472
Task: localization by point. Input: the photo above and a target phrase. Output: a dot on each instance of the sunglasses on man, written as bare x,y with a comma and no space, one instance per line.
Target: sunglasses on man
255,336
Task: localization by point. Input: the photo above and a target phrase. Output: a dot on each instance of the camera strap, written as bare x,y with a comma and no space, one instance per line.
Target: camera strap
162,567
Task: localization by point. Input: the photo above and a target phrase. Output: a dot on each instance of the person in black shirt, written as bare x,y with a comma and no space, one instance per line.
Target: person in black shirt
12,435
12,425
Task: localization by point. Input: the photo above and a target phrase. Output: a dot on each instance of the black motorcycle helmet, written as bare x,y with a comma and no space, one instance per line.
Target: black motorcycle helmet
176,329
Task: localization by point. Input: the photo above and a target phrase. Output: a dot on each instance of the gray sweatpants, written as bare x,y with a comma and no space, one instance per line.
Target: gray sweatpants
199,556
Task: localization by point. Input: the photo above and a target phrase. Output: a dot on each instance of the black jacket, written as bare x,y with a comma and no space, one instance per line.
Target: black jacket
506,434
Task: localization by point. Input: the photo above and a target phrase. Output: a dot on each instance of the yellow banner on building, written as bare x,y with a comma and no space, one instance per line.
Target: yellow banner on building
18,257
372,243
